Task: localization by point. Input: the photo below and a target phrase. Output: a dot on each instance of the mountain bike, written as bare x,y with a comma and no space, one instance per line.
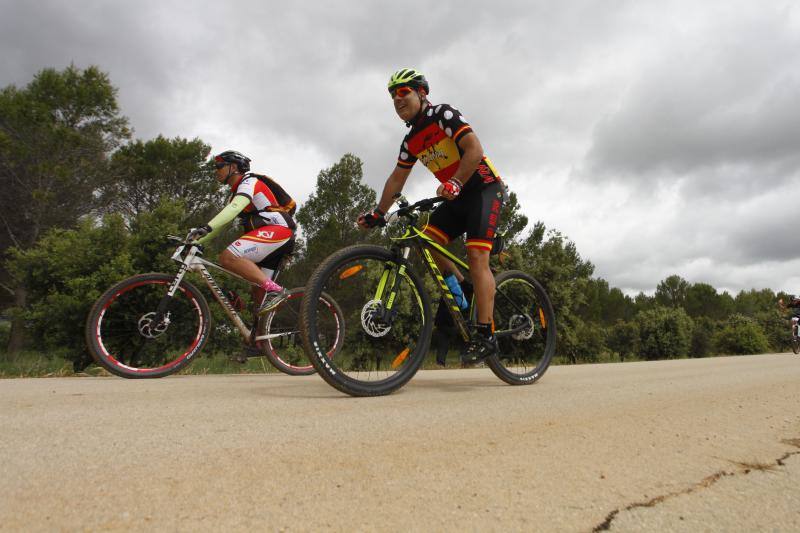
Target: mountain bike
386,309
153,325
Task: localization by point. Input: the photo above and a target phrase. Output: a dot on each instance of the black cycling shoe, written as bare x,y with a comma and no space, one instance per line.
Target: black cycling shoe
478,349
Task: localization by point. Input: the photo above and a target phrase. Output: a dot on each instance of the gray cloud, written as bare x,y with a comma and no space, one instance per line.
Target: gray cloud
661,137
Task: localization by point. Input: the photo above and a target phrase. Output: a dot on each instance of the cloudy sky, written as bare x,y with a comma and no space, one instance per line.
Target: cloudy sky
662,137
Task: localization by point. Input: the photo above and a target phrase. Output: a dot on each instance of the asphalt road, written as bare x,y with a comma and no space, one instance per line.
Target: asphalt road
689,445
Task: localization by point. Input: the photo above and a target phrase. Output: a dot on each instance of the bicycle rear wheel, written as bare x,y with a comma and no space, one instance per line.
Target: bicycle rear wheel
135,330
796,344
386,316
525,325
278,333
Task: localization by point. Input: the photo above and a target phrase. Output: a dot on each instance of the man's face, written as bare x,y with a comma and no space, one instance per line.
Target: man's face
224,170
406,102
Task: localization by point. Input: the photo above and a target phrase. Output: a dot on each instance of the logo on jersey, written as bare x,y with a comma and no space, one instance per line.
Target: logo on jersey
432,155
266,234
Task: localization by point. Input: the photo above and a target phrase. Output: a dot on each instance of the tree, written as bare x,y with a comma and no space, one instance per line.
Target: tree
664,332
702,337
512,221
554,260
624,338
672,291
328,217
142,174
741,335
55,136
751,303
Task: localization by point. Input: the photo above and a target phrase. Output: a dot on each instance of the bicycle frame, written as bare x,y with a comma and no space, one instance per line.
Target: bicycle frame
191,262
425,245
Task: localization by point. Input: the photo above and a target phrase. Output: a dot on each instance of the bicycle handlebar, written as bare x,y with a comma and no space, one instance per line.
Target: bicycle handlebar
422,206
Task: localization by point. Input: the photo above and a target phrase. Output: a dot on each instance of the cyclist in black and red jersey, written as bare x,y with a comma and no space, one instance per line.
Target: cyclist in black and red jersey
442,139
265,211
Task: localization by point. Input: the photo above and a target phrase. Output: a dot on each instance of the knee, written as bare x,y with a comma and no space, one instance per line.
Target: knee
478,259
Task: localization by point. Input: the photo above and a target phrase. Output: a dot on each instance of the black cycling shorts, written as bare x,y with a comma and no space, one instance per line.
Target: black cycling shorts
476,212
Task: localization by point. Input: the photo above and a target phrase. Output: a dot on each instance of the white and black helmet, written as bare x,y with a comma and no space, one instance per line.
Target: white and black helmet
232,156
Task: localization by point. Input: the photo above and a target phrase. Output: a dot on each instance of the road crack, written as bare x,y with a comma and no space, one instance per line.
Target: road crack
743,469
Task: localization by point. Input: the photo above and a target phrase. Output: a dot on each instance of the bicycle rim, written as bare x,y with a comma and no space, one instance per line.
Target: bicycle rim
385,313
525,327
126,338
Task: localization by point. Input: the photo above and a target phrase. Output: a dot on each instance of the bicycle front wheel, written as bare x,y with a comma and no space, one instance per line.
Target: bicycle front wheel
278,333
386,316
525,326
136,330
796,344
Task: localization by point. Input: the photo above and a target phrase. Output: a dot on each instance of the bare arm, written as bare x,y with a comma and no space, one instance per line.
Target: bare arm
394,184
473,154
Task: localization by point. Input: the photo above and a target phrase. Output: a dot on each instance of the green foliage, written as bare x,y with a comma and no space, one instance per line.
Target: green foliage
55,135
624,339
664,333
703,300
741,335
672,292
328,217
512,221
554,260
702,337
143,174
751,303
67,270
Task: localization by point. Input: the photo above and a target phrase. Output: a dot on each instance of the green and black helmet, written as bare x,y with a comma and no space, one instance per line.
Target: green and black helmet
409,77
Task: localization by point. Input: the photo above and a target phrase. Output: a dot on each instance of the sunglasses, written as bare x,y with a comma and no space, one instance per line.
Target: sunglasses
220,164
402,91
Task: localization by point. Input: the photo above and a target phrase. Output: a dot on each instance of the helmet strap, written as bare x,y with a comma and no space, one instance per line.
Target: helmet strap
423,106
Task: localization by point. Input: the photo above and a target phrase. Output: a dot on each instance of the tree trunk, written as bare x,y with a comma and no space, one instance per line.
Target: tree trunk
17,337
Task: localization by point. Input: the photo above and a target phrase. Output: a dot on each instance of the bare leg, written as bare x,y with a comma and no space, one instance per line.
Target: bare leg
447,266
244,267
483,281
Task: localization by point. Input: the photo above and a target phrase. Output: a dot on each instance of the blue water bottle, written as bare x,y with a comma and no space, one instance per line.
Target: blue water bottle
455,288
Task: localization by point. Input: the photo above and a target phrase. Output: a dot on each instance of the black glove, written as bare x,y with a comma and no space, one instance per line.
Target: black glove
199,233
376,218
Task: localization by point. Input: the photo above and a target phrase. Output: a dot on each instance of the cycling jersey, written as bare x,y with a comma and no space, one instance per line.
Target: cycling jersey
269,203
433,139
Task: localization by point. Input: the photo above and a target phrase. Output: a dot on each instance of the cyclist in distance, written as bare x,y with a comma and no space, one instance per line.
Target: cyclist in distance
794,306
442,139
265,211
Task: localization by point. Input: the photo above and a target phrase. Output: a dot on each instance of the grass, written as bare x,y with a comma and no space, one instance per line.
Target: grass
37,365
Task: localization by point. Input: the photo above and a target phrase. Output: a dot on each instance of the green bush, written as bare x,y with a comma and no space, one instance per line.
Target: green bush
664,332
67,270
741,335
702,337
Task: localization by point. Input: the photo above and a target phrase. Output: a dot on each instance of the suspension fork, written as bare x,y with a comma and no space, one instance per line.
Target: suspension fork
389,284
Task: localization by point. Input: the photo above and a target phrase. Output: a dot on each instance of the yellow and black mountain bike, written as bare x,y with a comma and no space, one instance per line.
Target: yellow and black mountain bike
386,309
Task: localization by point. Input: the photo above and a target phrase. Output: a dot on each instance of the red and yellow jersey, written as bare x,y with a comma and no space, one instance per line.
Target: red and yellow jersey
433,139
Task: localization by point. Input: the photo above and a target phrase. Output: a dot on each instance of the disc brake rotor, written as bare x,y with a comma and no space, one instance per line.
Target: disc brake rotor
517,321
147,329
370,320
